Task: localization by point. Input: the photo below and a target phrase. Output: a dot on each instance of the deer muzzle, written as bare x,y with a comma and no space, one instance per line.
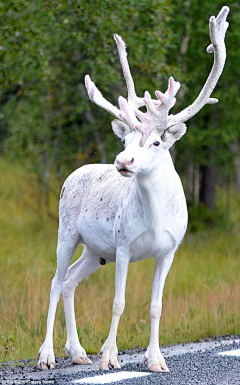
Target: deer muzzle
124,165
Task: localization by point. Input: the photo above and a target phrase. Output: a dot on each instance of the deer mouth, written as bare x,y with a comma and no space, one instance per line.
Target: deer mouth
125,172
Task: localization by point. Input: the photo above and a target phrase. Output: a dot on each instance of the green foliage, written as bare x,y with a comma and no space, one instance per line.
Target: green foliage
202,219
216,126
46,49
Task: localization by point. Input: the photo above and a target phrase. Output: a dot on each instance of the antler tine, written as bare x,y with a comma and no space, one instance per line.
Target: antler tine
127,107
168,99
156,117
218,27
96,97
133,100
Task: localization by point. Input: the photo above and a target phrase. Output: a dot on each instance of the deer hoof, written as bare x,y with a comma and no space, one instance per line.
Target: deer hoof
46,359
103,366
115,365
155,369
43,366
158,369
82,361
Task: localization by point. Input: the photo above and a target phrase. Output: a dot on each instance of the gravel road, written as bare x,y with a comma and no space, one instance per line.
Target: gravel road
194,363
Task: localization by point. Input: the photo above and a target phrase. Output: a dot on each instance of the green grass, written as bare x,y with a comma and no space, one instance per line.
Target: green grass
201,296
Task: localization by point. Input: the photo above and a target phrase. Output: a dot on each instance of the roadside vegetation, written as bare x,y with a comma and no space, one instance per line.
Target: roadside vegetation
201,296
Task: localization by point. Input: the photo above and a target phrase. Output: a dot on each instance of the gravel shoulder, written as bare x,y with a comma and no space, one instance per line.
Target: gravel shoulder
187,362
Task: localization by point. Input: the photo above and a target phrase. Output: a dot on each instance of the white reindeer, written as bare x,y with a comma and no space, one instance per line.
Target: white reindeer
124,220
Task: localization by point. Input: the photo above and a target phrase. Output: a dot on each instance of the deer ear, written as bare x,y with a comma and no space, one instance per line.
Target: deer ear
120,128
174,133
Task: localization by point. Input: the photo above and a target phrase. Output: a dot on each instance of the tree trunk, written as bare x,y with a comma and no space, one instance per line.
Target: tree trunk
237,171
193,182
97,136
208,181
100,146
235,147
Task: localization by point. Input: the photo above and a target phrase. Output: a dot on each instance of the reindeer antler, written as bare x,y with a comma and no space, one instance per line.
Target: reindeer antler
133,100
96,97
127,106
218,27
156,117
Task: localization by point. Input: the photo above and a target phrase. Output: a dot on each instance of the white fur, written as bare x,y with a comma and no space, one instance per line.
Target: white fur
120,220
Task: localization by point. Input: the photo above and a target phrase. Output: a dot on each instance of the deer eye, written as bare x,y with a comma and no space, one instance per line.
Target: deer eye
156,144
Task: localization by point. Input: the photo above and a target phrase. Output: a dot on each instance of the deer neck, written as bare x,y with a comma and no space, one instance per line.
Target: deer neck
155,191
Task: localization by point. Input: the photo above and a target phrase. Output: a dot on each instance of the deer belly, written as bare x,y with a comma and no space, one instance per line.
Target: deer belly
149,245
98,237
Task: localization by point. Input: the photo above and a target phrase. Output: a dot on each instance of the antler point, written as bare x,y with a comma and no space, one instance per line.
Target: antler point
87,79
226,8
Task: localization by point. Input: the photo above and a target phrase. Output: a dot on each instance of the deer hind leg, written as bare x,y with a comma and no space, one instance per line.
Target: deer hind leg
65,251
153,355
82,268
109,349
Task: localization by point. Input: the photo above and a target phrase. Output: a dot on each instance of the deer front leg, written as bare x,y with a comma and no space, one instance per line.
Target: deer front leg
109,350
153,355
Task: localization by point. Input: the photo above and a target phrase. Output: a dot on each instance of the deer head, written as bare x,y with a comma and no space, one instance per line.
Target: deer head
156,127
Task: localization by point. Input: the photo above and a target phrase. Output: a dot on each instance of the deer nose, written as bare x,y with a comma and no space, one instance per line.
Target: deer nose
130,162
122,163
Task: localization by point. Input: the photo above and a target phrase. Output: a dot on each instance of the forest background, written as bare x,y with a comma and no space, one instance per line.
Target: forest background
48,128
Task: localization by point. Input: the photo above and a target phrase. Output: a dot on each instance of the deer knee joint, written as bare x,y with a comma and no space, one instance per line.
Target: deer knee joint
118,307
55,292
155,311
68,287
